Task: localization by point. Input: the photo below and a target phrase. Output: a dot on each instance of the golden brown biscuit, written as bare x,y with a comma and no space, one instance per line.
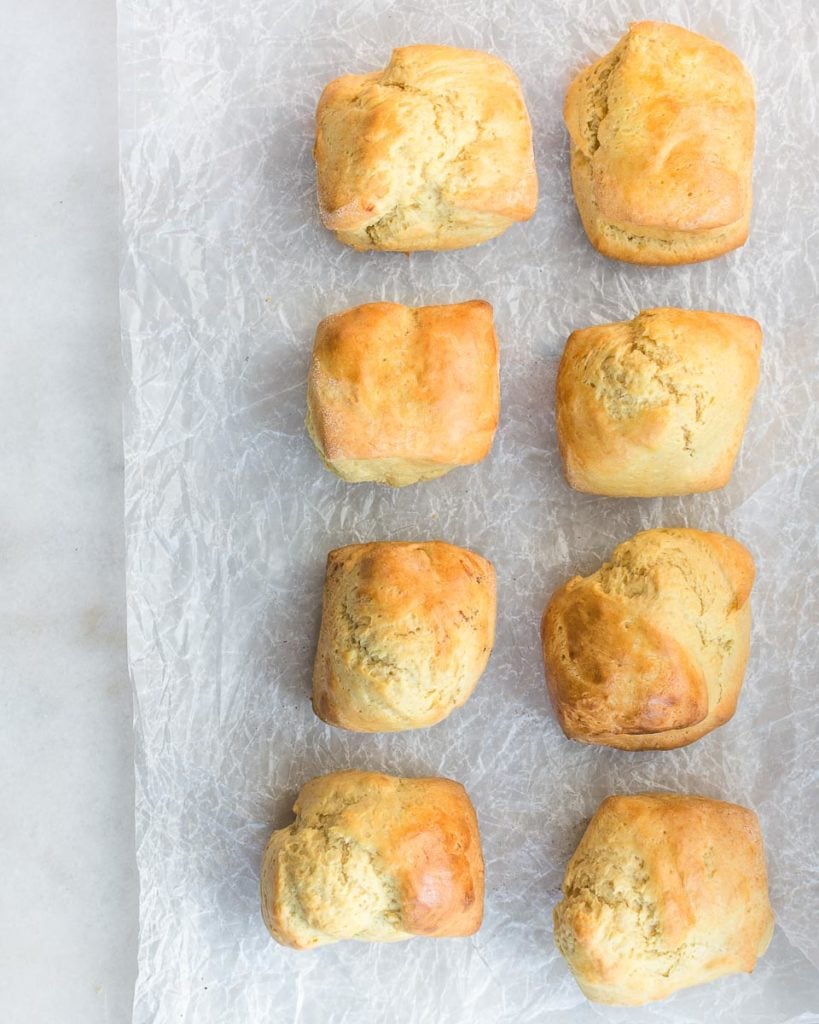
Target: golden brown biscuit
662,137
374,858
663,892
397,394
649,652
406,631
433,152
656,405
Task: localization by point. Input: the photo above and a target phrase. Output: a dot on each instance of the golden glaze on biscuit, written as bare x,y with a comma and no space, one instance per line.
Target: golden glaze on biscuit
406,632
397,394
374,858
649,652
432,152
663,892
656,405
662,138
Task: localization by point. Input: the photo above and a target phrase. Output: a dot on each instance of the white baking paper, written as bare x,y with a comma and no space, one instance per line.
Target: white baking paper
229,513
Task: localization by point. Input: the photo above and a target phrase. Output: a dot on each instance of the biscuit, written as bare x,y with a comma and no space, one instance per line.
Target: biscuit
663,892
398,395
374,858
642,406
662,138
406,631
432,152
649,652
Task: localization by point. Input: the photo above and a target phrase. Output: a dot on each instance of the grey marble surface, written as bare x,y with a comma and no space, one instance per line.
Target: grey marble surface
68,887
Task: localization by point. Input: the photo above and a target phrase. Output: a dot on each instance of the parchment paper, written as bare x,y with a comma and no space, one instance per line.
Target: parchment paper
229,513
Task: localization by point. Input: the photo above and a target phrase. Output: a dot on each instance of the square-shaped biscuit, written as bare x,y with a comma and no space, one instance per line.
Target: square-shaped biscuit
406,631
374,858
397,394
664,891
662,138
432,152
644,408
649,652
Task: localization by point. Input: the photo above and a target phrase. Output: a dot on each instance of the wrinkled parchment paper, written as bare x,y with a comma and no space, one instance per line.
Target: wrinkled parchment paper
229,513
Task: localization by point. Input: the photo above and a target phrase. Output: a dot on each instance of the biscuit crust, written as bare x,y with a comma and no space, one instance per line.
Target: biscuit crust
662,138
663,892
432,152
398,394
642,406
649,652
406,632
375,858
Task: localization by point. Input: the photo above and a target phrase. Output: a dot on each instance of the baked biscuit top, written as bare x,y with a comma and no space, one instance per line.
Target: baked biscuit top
432,152
667,121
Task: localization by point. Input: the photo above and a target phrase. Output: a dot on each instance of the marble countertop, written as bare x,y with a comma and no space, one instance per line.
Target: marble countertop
69,890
